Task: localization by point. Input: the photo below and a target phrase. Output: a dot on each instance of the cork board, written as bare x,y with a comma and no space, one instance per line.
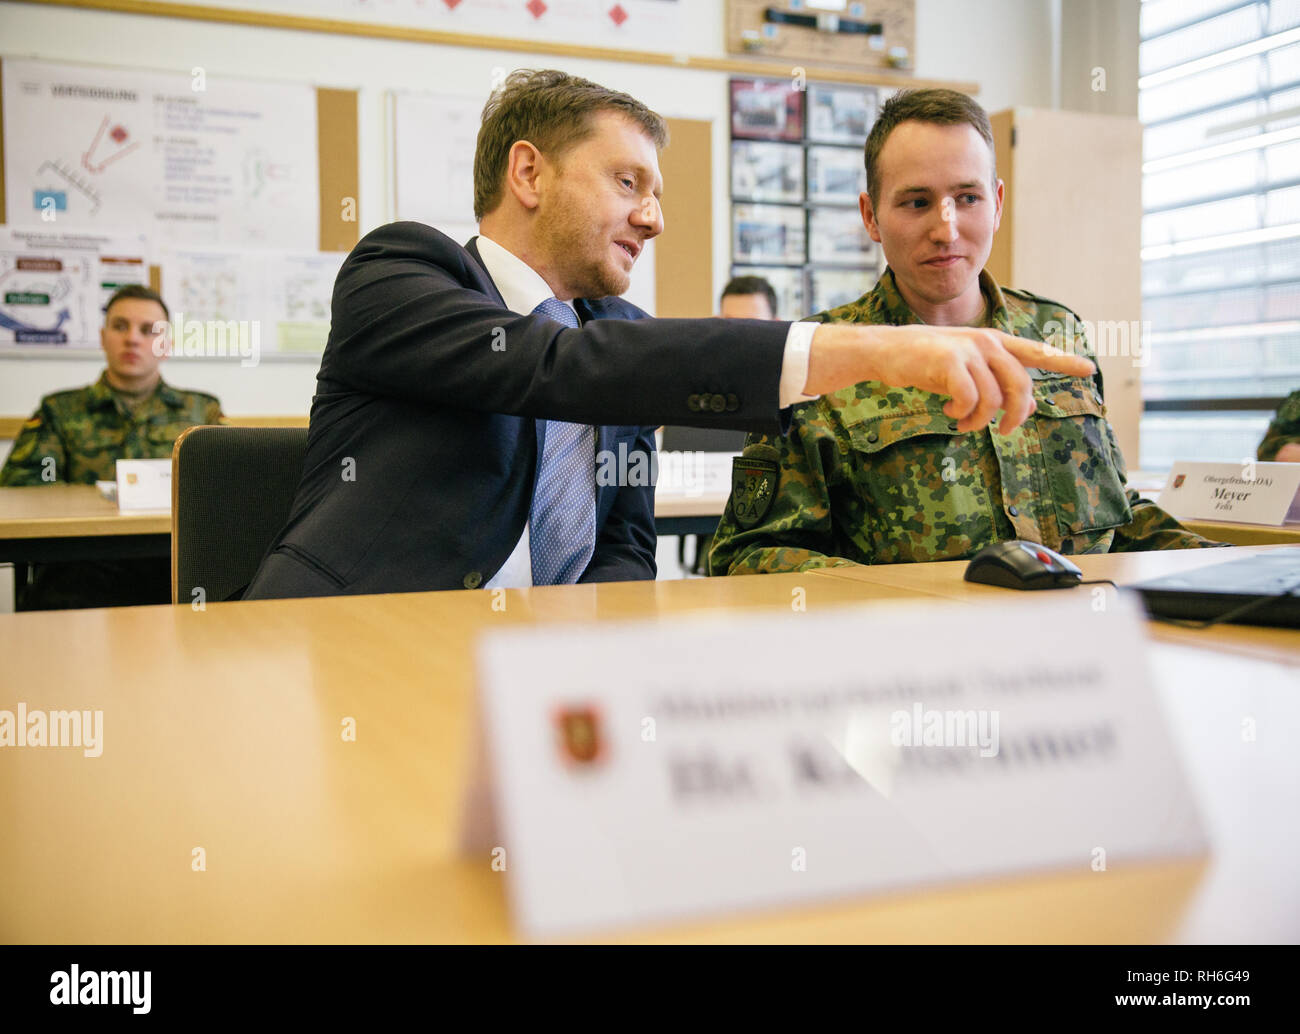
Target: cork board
684,251
339,168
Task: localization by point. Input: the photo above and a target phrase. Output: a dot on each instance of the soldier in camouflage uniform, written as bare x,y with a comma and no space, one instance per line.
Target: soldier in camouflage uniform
1282,439
873,474
77,436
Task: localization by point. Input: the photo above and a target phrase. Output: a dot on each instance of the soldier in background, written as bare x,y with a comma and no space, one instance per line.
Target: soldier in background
747,298
1281,442
78,436
873,474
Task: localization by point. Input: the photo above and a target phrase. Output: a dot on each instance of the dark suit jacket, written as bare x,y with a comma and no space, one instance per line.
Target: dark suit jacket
422,448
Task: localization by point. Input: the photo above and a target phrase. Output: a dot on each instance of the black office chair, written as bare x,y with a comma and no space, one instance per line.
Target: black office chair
700,439
232,488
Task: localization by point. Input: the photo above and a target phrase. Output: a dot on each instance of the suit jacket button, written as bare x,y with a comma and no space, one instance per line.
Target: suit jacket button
693,403
472,580
733,403
717,403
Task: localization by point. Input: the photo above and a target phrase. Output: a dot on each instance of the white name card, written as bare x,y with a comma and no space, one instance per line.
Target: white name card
144,485
1248,493
644,772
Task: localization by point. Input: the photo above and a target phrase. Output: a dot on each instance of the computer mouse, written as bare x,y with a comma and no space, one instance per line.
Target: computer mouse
1022,565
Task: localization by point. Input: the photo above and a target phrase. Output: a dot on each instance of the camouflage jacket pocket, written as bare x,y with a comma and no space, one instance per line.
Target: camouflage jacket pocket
878,433
1079,467
917,489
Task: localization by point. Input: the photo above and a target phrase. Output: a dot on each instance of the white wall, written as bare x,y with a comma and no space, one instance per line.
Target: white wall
1002,44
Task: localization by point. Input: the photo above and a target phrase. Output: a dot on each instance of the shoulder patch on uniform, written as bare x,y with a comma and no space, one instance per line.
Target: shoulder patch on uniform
1038,299
753,487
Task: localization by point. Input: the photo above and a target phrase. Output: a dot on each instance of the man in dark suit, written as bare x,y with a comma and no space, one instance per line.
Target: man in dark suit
482,413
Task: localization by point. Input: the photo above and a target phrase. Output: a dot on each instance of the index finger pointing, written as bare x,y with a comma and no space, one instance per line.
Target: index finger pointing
1046,357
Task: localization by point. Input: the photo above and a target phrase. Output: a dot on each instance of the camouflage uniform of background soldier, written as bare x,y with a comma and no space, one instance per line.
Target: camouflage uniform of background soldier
879,475
78,436
1284,430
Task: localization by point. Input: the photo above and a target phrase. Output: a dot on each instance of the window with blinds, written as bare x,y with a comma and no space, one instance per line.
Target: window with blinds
1219,97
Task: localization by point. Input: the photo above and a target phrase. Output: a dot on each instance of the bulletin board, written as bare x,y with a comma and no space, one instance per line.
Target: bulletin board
235,198
186,159
797,172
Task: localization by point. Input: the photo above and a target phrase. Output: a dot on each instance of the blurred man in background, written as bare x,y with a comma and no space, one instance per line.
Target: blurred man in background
77,437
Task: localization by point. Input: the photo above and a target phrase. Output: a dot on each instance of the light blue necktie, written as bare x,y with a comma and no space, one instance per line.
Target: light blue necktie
562,520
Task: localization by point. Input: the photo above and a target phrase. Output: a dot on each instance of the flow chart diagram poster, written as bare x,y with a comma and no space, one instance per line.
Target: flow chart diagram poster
186,159
54,285
283,297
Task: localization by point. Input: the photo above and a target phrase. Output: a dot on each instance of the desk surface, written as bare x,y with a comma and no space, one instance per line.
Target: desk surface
68,511
222,731
72,511
945,579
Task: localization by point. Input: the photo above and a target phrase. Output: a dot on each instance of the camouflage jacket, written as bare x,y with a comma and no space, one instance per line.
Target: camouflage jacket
878,475
79,435
1284,429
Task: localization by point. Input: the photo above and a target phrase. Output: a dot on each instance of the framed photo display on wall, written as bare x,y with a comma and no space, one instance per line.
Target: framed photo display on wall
797,173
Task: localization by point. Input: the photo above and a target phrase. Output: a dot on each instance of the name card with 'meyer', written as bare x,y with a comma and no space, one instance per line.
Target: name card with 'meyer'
645,772
1248,493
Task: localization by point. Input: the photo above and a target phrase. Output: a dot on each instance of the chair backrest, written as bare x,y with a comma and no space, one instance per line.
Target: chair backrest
232,489
702,439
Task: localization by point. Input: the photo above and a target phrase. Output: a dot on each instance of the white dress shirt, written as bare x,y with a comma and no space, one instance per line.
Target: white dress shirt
523,289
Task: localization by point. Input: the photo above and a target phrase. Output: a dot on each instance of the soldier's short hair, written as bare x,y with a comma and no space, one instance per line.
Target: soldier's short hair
551,110
751,285
136,291
939,107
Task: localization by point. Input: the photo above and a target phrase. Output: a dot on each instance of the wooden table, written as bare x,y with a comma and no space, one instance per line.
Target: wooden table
49,523
1234,531
222,731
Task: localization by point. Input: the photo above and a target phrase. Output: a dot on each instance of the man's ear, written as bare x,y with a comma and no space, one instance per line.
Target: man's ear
524,167
999,194
869,216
